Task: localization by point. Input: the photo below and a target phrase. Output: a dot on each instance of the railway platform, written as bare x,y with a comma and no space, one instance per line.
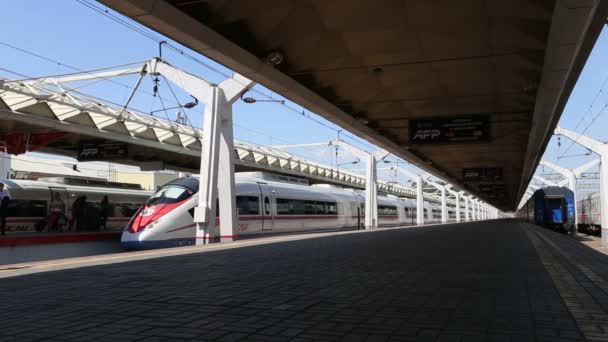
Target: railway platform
12,239
480,281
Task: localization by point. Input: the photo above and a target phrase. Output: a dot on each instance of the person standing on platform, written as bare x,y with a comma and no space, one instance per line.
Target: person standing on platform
105,212
5,198
57,215
76,213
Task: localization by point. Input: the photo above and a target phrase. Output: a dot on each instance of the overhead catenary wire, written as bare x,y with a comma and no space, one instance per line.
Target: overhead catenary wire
54,61
588,111
294,109
136,28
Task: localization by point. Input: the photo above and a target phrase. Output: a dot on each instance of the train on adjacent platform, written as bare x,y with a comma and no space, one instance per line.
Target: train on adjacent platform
588,213
551,207
29,208
266,203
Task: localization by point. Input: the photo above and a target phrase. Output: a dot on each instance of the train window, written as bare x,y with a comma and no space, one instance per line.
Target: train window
248,205
266,206
283,207
331,208
387,210
169,194
26,208
410,212
125,209
304,207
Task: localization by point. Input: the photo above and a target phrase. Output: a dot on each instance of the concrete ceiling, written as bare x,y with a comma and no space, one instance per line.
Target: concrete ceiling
378,67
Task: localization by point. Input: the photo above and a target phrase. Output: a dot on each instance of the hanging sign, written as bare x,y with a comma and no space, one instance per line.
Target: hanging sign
482,174
470,128
104,150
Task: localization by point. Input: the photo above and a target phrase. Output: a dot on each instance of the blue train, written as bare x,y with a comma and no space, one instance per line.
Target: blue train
551,207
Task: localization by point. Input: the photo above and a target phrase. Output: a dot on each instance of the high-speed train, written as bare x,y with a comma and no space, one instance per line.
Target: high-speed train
266,203
29,209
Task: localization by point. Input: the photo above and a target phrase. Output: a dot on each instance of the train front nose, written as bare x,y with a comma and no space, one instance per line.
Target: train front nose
133,241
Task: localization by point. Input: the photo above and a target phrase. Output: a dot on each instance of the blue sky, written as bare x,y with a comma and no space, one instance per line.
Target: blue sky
67,31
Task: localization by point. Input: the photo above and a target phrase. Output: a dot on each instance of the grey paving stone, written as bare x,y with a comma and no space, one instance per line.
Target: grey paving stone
468,282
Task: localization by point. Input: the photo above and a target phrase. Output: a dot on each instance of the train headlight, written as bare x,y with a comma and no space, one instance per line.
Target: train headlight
147,212
151,225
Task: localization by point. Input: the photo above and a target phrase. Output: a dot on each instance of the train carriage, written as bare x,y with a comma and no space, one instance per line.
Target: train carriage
588,212
551,207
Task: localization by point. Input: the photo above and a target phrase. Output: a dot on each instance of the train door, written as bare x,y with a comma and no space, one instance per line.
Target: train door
267,200
555,209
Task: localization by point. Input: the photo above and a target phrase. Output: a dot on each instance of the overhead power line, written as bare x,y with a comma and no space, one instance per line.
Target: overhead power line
136,27
89,72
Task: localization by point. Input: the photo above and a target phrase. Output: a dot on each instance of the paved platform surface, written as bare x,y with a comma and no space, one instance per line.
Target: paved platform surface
53,251
12,239
483,281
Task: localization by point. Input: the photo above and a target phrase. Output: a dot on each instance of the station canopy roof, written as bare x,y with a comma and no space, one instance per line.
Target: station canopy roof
469,90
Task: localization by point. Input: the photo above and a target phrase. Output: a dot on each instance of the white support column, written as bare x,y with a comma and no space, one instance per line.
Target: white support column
444,204
217,149
544,180
456,195
472,207
371,178
205,211
600,148
467,216
371,194
419,200
232,88
419,193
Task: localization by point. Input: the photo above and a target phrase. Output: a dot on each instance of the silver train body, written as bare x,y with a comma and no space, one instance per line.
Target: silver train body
266,204
29,208
589,215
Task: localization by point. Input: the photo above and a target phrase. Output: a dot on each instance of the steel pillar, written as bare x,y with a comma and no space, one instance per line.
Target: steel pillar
456,195
419,192
467,215
600,148
444,206
371,179
217,165
444,203
419,200
371,194
217,149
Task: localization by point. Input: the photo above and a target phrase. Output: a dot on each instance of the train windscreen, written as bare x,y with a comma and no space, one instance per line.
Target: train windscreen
169,194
